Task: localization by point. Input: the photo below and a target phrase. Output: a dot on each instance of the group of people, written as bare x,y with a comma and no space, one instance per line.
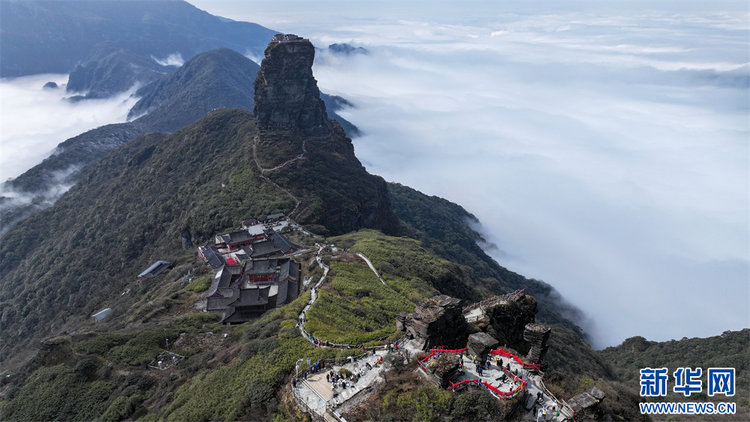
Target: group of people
340,380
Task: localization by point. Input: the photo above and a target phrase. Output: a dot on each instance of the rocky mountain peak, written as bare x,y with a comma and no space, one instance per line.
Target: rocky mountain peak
286,93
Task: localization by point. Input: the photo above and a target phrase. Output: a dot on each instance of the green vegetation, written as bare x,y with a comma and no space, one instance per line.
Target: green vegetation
356,308
200,285
57,393
141,202
248,384
728,350
130,209
405,398
403,260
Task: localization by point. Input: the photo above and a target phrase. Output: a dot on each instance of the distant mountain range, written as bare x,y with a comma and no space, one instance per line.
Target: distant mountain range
171,97
215,142
56,36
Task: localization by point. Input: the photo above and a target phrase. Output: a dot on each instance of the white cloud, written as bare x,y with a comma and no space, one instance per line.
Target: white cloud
35,120
605,152
604,146
171,60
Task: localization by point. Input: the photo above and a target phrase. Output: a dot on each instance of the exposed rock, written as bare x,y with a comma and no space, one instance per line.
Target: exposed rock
480,344
537,335
286,93
187,238
441,369
586,405
50,85
309,155
438,321
335,103
510,317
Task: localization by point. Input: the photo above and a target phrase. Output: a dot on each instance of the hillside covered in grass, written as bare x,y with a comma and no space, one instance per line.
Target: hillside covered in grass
159,196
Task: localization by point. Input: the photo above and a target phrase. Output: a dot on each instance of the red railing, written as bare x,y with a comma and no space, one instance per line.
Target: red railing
435,352
502,394
505,353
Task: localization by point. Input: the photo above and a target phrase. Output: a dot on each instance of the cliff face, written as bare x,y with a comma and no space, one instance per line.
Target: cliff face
304,152
286,93
510,318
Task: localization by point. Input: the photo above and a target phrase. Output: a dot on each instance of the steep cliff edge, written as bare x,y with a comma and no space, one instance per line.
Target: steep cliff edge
287,94
302,150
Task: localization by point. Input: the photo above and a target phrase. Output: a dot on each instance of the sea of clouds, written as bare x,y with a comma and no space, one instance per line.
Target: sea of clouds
34,119
604,147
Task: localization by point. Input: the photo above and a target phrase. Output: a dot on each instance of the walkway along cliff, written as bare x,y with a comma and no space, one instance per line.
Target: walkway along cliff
308,156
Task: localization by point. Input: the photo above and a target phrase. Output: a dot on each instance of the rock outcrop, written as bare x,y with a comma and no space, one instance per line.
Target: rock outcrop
480,344
438,321
510,317
537,335
442,369
586,405
286,93
301,150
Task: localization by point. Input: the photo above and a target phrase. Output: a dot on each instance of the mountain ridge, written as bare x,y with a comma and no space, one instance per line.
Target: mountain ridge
55,36
141,201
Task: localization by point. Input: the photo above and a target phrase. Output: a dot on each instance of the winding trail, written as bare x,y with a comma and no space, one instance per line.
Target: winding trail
263,171
372,267
301,156
321,401
313,297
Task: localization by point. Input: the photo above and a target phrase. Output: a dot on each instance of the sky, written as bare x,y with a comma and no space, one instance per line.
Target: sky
602,145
